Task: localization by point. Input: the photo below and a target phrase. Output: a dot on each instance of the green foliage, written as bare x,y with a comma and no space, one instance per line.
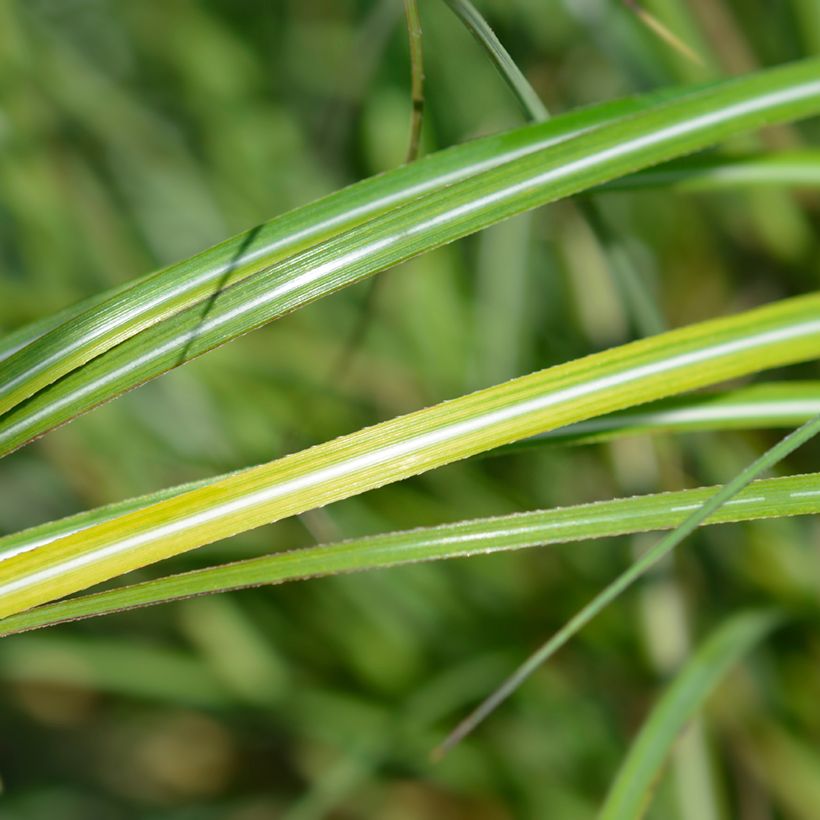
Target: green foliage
629,794
692,357
767,498
134,135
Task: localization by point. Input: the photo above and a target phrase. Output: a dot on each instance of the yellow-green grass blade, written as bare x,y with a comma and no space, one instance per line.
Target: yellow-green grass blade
622,146
631,791
58,347
767,498
760,406
798,168
673,362
769,405
41,534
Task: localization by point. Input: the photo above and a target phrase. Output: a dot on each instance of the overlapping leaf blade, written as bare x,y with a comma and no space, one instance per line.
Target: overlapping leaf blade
60,344
767,498
672,362
624,145
768,405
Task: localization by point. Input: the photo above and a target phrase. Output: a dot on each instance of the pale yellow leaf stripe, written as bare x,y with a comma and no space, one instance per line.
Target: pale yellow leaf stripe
670,363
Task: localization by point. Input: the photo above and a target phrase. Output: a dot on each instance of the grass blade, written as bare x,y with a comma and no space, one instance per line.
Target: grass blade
799,168
535,110
760,406
607,152
41,534
684,359
411,14
627,578
768,498
23,336
89,329
631,791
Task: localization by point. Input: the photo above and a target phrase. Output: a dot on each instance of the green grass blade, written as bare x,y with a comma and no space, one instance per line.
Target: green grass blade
330,216
631,791
411,14
23,336
607,152
728,491
87,330
798,168
688,358
760,406
530,102
768,498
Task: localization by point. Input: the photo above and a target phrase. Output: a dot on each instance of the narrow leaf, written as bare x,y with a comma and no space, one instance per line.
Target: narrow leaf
631,791
778,404
411,13
530,102
799,168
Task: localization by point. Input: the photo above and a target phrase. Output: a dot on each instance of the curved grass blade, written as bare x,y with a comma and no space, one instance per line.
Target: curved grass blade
760,406
799,168
535,110
631,791
768,498
680,360
442,216
89,329
651,557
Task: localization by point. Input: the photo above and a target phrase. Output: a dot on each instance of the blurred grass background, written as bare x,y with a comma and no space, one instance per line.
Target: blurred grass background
134,134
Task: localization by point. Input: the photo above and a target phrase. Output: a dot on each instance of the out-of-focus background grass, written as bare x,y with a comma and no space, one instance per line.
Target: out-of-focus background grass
133,134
